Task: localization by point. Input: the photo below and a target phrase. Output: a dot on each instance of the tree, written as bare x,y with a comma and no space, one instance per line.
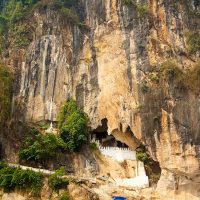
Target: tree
72,123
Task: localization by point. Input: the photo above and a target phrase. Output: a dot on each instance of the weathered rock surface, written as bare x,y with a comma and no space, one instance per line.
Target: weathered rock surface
106,69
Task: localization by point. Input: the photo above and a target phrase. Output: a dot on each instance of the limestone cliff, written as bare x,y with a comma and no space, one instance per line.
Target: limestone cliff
108,68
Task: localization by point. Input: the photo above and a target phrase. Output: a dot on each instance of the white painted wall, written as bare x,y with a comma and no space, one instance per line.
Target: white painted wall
120,154
140,168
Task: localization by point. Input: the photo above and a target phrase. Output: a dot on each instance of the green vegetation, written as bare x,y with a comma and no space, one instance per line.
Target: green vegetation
15,10
27,180
154,78
144,87
189,79
15,33
41,147
142,154
191,8
194,14
66,8
128,2
70,15
142,9
193,42
72,123
175,4
6,94
20,36
152,167
153,171
3,25
55,180
64,196
73,126
193,78
171,71
43,125
93,146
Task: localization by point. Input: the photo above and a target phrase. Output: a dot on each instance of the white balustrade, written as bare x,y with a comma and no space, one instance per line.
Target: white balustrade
120,154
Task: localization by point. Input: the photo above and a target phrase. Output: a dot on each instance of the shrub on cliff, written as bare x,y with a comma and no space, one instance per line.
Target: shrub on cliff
128,2
27,180
141,9
142,154
171,72
56,182
64,196
193,78
6,175
193,42
72,123
189,79
67,9
41,147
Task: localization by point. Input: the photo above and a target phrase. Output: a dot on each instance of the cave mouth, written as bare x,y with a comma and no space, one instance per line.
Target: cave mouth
106,140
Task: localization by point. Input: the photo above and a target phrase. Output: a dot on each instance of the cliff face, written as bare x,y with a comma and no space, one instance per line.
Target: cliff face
108,69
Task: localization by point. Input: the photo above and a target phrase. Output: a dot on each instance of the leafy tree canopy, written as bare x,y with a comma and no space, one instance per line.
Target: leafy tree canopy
41,147
27,180
72,123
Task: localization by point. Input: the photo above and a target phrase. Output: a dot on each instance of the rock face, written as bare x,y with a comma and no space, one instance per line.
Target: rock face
108,70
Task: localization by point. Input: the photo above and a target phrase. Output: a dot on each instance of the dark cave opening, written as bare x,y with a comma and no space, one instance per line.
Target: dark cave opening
101,134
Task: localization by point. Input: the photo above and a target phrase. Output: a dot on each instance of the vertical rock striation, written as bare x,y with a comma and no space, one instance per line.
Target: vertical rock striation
108,70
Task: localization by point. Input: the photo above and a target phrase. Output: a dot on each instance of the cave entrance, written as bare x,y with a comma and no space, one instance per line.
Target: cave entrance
106,140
